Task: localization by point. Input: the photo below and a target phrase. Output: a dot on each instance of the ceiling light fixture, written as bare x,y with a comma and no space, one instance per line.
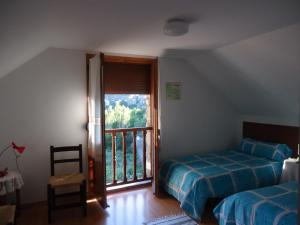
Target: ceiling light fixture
176,27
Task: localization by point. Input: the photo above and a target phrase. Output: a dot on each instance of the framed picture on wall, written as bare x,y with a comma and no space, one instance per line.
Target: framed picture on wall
173,90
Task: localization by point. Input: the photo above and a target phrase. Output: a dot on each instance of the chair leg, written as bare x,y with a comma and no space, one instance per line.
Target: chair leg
53,199
15,220
49,197
83,197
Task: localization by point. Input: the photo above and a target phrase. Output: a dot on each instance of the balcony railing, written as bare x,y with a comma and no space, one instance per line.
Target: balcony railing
134,133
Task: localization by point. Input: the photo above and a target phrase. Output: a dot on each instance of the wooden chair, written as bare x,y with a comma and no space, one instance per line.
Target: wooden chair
74,179
7,215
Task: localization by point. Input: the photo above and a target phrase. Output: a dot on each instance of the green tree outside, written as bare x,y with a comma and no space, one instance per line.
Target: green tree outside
129,112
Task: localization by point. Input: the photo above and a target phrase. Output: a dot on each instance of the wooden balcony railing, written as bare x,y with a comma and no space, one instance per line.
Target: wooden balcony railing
134,132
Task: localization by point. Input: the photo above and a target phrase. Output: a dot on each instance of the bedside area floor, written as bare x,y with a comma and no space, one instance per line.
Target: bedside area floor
126,208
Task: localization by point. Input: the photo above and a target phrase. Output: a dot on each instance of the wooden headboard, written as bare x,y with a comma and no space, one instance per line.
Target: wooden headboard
273,133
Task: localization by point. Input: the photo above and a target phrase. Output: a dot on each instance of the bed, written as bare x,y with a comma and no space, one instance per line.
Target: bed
273,205
194,179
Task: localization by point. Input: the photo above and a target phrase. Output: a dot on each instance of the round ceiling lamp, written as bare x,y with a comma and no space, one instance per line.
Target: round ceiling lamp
176,27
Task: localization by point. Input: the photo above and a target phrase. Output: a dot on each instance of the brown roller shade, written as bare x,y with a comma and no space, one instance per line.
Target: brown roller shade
126,78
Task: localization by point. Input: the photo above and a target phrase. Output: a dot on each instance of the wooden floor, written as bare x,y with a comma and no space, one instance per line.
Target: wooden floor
126,208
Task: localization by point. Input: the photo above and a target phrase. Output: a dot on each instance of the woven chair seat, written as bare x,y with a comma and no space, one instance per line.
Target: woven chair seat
66,180
7,214
60,181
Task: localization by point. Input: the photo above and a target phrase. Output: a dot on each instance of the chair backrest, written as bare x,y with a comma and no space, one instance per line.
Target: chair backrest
53,161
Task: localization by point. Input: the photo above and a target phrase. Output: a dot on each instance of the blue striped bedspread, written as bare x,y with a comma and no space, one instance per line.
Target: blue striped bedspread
274,205
193,179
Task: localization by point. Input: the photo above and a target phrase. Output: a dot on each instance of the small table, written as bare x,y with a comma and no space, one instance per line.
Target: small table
290,170
12,182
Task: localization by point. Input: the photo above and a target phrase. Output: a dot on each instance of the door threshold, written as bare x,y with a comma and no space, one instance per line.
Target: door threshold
128,187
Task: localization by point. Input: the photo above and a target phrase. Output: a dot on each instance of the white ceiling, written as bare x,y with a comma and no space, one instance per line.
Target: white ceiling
132,26
259,76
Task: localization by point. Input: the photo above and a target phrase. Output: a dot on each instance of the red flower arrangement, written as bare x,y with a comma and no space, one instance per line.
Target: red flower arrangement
17,149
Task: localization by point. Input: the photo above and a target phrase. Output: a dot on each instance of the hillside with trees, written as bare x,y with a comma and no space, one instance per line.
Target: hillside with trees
124,111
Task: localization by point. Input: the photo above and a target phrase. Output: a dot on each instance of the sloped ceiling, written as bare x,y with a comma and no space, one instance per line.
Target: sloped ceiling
132,26
22,32
249,50
259,76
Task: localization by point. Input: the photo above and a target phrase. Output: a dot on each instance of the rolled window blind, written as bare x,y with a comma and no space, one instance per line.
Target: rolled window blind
126,78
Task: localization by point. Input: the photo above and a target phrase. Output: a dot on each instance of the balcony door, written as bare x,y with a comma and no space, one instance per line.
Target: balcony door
130,98
127,128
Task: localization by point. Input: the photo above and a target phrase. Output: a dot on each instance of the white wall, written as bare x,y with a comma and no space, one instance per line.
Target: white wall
201,121
259,76
271,63
43,103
